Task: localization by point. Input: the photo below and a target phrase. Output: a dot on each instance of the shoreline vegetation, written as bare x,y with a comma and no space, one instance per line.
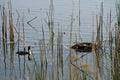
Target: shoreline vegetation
104,55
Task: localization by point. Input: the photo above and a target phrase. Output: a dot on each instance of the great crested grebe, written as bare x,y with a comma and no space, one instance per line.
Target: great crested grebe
29,53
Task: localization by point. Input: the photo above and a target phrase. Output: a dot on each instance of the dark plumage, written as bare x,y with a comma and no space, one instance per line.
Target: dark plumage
22,53
82,47
26,53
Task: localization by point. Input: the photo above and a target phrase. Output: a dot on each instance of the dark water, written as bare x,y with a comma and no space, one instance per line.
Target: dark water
11,69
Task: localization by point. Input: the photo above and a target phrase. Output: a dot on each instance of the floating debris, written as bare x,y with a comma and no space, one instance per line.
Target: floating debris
82,47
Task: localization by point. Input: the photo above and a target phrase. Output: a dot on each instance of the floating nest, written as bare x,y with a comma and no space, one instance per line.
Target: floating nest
82,47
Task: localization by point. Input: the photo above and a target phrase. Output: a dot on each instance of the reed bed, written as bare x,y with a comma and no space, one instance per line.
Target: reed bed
105,61
43,60
116,56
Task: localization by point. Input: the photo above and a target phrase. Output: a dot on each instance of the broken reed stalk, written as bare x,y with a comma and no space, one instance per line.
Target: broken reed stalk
29,23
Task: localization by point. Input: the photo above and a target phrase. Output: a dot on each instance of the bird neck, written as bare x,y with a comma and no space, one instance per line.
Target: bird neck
29,55
29,51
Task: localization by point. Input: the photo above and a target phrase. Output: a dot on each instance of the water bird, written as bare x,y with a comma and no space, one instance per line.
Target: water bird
29,53
83,47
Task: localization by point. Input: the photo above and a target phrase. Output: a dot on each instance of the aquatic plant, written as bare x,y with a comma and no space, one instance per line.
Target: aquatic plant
116,59
102,64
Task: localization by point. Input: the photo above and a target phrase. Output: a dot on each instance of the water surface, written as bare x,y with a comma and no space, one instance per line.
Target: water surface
63,9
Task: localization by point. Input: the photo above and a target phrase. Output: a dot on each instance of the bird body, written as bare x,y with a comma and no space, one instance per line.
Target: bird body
22,53
29,53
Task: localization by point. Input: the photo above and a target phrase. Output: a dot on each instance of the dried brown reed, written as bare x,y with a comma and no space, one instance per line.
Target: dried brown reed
50,24
11,33
70,52
4,29
99,45
4,35
79,24
116,55
43,58
60,55
82,71
11,23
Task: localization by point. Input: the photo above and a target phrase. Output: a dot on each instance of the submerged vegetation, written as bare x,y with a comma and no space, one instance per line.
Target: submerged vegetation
97,60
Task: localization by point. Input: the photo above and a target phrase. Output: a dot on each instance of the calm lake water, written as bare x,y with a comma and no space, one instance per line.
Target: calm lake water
38,9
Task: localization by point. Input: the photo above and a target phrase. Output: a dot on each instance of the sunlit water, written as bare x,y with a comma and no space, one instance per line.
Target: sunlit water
63,9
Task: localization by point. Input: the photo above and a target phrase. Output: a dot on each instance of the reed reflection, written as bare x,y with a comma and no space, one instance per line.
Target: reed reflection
4,35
